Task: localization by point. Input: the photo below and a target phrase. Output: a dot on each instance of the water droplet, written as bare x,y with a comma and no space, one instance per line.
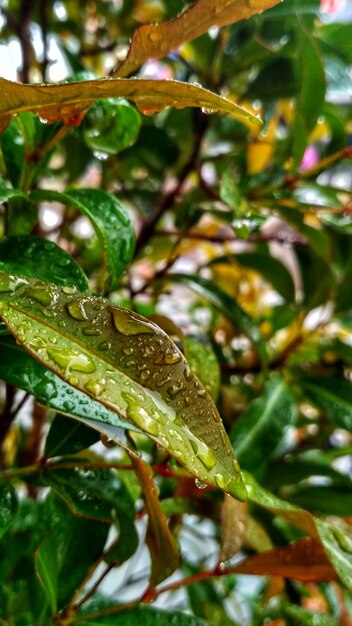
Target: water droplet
68,406
153,35
188,401
202,393
128,323
41,295
207,457
128,351
174,390
69,290
137,414
94,387
188,374
91,332
73,380
130,363
76,310
220,481
170,357
104,345
200,484
69,360
161,383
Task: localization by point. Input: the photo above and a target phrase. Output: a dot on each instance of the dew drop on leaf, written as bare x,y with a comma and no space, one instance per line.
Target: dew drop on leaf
76,310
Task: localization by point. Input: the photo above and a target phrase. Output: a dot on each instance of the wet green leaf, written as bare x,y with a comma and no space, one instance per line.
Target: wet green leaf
69,547
333,395
147,616
110,220
229,307
204,364
19,369
68,102
40,258
262,426
8,506
160,541
128,364
111,125
98,494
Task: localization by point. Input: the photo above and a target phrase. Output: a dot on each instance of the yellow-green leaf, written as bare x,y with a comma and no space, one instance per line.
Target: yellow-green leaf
68,102
156,40
128,364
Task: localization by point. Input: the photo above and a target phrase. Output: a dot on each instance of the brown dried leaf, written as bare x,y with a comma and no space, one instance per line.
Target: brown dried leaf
156,40
234,518
161,543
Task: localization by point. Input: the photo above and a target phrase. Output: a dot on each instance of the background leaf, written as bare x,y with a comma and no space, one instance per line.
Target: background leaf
40,258
263,425
8,506
111,223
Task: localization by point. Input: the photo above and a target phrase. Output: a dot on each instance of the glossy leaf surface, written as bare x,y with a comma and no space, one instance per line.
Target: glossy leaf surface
204,364
40,258
127,363
111,223
156,40
263,424
68,102
8,506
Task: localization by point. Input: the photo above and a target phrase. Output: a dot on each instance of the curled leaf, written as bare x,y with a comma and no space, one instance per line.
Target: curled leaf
68,102
127,363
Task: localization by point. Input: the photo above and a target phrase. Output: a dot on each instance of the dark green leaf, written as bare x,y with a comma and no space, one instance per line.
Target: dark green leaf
8,506
126,362
12,146
48,567
70,546
229,307
316,275
40,258
263,424
333,395
111,222
67,436
312,85
98,495
111,125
